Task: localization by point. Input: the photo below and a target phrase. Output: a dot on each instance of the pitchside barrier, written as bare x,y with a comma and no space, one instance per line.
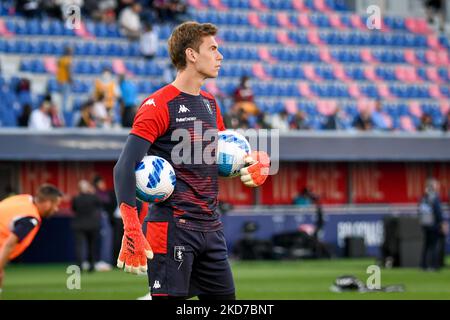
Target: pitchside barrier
55,241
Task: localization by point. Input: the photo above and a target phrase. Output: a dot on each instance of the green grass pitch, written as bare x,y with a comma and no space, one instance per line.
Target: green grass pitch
254,280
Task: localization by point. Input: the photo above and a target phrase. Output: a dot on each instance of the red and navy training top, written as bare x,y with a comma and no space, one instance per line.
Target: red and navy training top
193,202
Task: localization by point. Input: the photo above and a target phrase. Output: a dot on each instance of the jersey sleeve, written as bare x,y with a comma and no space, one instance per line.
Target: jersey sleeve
23,226
219,119
152,120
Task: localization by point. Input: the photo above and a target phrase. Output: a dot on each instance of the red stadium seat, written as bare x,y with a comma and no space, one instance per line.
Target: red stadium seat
383,91
4,32
82,32
305,91
370,73
354,91
283,38
303,21
367,56
325,55
283,20
321,6
415,109
119,67
364,104
326,107
444,106
300,6
356,22
197,4
291,106
407,124
218,5
442,58
265,55
254,20
258,5
410,57
433,42
433,75
50,65
435,91
417,25
335,21
339,72
314,37
259,72
406,73
310,73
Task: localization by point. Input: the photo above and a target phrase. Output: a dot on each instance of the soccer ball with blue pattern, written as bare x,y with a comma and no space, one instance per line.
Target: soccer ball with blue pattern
231,151
155,179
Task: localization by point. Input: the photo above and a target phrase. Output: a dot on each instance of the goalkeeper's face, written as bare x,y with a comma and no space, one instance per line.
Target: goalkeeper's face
209,58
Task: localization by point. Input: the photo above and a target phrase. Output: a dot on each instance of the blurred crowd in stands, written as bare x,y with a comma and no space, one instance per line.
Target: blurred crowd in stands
129,13
114,99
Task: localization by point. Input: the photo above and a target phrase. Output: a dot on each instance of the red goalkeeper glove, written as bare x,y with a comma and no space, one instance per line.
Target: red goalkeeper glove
135,248
257,172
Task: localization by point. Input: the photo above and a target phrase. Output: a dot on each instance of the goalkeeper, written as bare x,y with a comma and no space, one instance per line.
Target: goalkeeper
182,236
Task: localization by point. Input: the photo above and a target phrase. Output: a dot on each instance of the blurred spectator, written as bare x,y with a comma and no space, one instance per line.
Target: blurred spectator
103,10
64,78
178,11
304,198
378,117
233,119
446,125
244,98
91,9
426,123
86,118
28,8
122,4
430,214
149,42
170,10
57,121
279,121
106,86
23,86
299,121
435,8
108,205
442,240
335,120
130,21
100,113
363,121
128,92
249,114
86,223
51,9
24,117
40,118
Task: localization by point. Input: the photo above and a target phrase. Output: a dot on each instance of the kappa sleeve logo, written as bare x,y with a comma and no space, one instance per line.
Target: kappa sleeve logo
149,102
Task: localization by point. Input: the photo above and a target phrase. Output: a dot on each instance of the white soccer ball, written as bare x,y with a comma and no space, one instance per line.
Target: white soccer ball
232,148
155,179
